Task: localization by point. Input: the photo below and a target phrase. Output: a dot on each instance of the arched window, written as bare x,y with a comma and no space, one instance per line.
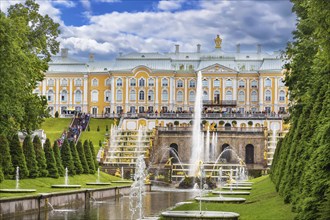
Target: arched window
179,96
241,96
282,96
254,84
132,95
281,82
150,95
119,95
268,95
107,96
229,83
179,83
229,95
268,82
141,95
216,96
241,84
141,82
151,82
77,96
164,95
50,82
254,96
249,154
192,83
64,82
95,96
205,83
133,82
95,82
216,83
78,82
50,96
164,82
191,96
205,95
108,82
119,82
64,96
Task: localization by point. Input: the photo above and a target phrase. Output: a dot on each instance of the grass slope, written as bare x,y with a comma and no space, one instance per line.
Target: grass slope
54,127
94,135
262,203
43,185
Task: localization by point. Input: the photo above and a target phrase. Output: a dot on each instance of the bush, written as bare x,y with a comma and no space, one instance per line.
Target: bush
176,123
30,157
66,157
58,159
56,114
98,128
50,160
250,123
89,158
76,159
88,128
221,123
40,156
5,159
82,157
106,128
18,157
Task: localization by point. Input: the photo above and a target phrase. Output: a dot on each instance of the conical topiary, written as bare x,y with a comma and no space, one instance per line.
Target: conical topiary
89,157
66,157
40,156
57,155
17,157
81,153
30,157
50,160
76,159
91,146
5,159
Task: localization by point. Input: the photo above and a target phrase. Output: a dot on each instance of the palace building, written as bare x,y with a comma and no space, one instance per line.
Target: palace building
166,82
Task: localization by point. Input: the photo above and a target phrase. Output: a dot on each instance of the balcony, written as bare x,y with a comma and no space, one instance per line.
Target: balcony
224,103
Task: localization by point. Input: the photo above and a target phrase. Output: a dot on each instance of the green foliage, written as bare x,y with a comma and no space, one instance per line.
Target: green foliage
5,159
81,153
88,128
176,123
56,114
40,156
98,128
89,157
28,35
250,123
17,157
301,166
66,157
221,123
30,157
50,160
106,128
58,159
91,146
2,177
76,159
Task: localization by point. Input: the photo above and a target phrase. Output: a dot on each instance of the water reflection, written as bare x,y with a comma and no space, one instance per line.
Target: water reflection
116,208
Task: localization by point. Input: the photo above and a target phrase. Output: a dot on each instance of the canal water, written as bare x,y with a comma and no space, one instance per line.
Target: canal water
115,208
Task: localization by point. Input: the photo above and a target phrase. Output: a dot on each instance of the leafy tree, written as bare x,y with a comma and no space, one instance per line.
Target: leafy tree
5,159
50,160
81,153
58,159
76,159
66,157
89,157
17,157
91,146
30,157
40,156
2,177
26,49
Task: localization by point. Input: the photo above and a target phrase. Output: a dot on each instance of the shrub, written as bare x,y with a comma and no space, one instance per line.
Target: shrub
76,159
89,158
82,157
250,123
50,160
176,123
221,123
106,128
66,157
88,128
40,156
58,159
56,114
98,128
18,157
30,157
5,159
91,146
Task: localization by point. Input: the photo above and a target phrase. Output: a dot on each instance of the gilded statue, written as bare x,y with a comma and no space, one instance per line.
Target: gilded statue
218,41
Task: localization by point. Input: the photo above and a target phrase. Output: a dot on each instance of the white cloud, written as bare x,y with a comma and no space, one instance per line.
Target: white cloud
86,4
169,5
66,3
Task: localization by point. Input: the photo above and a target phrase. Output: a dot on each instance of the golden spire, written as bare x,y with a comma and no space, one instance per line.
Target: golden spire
218,41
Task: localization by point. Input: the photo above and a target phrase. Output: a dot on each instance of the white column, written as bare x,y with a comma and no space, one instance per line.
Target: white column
172,89
57,94
126,96
185,92
210,88
85,97
247,94
223,89
261,93
156,94
44,87
112,105
235,89
276,95
70,93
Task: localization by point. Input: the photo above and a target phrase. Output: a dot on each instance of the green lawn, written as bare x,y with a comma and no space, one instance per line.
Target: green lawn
54,127
43,185
262,203
94,135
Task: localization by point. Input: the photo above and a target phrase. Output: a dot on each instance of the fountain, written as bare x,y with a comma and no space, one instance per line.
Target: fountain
98,182
66,182
17,189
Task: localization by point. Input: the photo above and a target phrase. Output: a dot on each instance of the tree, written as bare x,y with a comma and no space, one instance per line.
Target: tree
58,159
91,146
26,49
89,158
67,159
50,160
2,177
81,153
40,156
5,159
30,157
76,159
18,157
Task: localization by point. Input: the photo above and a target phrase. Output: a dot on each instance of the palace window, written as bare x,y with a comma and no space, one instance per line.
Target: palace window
268,82
179,84
229,83
119,109
241,84
205,83
254,96
108,82
268,95
50,82
50,96
216,96
77,96
141,82
192,83
254,84
164,82
78,82
165,95
216,83
282,96
205,95
141,95
151,82
119,82
150,95
64,96
107,96
64,82
133,82
132,95
141,109
229,95
179,96
95,96
95,82
241,96
119,95
191,96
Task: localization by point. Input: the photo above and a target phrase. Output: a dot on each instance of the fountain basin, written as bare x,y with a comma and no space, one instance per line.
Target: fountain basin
231,192
122,181
99,183
66,186
239,184
221,199
17,190
199,215
237,187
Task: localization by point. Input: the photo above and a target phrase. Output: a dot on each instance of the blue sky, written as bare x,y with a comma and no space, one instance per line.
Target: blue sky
108,27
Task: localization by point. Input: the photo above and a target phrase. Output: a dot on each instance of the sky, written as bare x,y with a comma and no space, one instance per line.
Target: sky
109,27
